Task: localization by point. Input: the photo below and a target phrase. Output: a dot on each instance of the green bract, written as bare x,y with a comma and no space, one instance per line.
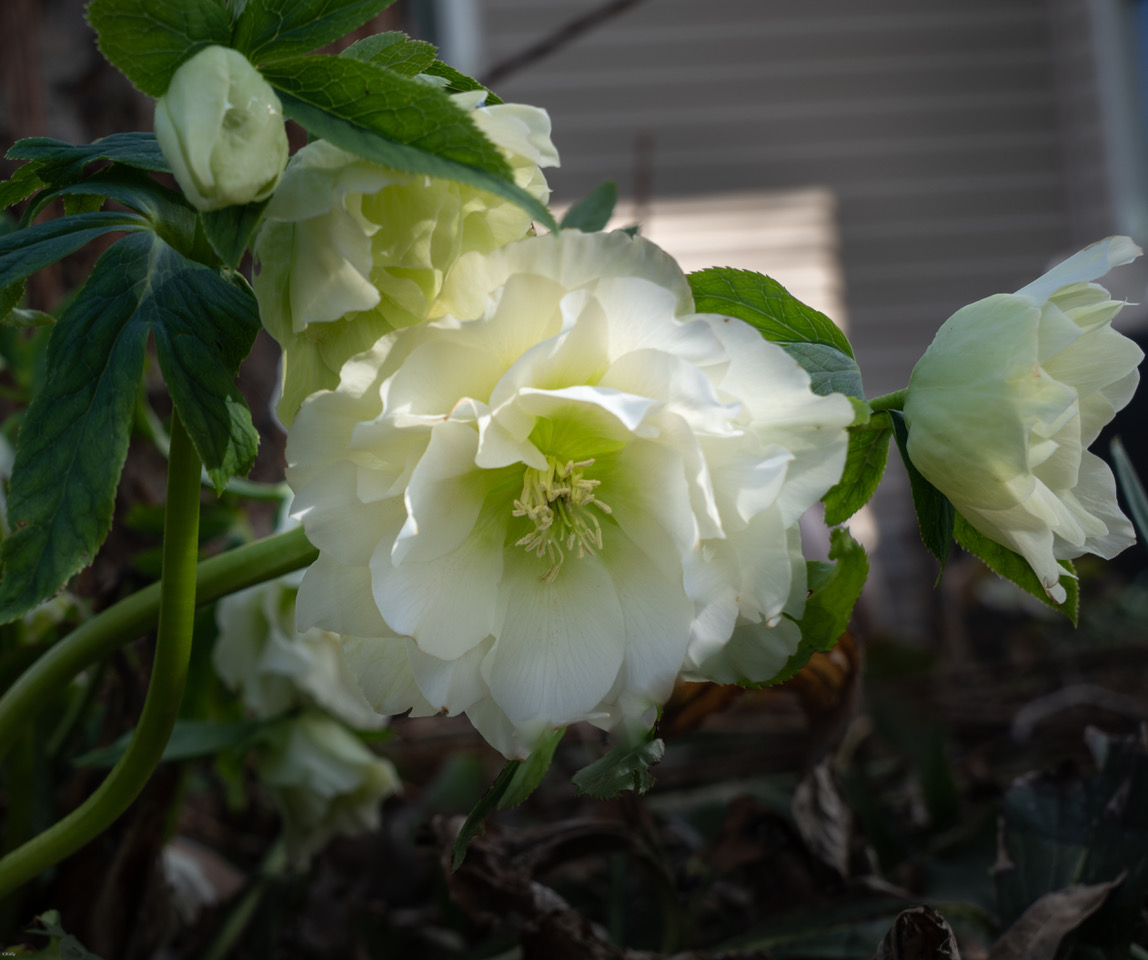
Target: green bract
220,126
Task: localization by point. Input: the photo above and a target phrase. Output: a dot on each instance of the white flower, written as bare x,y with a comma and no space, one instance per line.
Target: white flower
1003,405
260,653
351,250
325,782
539,508
220,127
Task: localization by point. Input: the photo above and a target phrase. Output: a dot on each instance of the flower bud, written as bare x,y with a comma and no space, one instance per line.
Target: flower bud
1004,404
220,127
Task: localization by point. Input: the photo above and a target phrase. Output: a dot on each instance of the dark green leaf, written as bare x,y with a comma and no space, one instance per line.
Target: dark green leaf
398,123
274,29
26,251
765,304
473,827
74,438
57,162
23,183
229,230
1012,566
834,591
623,768
1061,831
864,467
189,739
146,40
530,773
204,326
401,110
75,203
593,211
1132,488
10,298
395,51
830,370
935,514
168,212
457,82
63,945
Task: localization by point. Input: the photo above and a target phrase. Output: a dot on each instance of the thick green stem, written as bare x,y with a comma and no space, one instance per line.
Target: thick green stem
165,689
92,641
889,401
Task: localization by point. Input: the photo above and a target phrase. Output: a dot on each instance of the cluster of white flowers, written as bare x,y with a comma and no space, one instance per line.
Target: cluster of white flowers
544,488
324,779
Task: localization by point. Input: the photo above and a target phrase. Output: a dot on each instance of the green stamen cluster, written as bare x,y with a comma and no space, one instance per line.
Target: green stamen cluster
557,500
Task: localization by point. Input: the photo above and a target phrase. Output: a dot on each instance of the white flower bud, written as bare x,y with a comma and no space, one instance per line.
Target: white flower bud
220,127
1002,407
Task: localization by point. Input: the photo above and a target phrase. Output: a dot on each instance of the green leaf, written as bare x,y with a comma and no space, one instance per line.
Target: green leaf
189,740
395,122
765,304
401,110
830,370
457,82
229,230
146,40
395,51
864,467
593,211
1012,566
59,162
530,773
22,184
74,437
834,591
1131,487
274,29
167,210
63,945
624,768
935,514
25,251
473,827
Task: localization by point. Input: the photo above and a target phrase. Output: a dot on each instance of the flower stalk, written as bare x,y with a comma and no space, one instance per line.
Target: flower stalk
165,689
89,643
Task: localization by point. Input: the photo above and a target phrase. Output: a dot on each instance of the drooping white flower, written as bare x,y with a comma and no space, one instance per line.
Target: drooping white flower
1002,407
326,782
351,250
543,506
220,127
275,667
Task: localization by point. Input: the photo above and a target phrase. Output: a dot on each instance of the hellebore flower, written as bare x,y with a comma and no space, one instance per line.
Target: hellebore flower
351,250
220,127
1004,403
325,781
260,653
541,507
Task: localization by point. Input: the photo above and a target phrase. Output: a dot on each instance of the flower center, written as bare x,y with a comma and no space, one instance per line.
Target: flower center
557,502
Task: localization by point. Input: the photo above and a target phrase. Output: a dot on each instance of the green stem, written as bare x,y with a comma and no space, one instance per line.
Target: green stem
92,641
889,401
165,688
